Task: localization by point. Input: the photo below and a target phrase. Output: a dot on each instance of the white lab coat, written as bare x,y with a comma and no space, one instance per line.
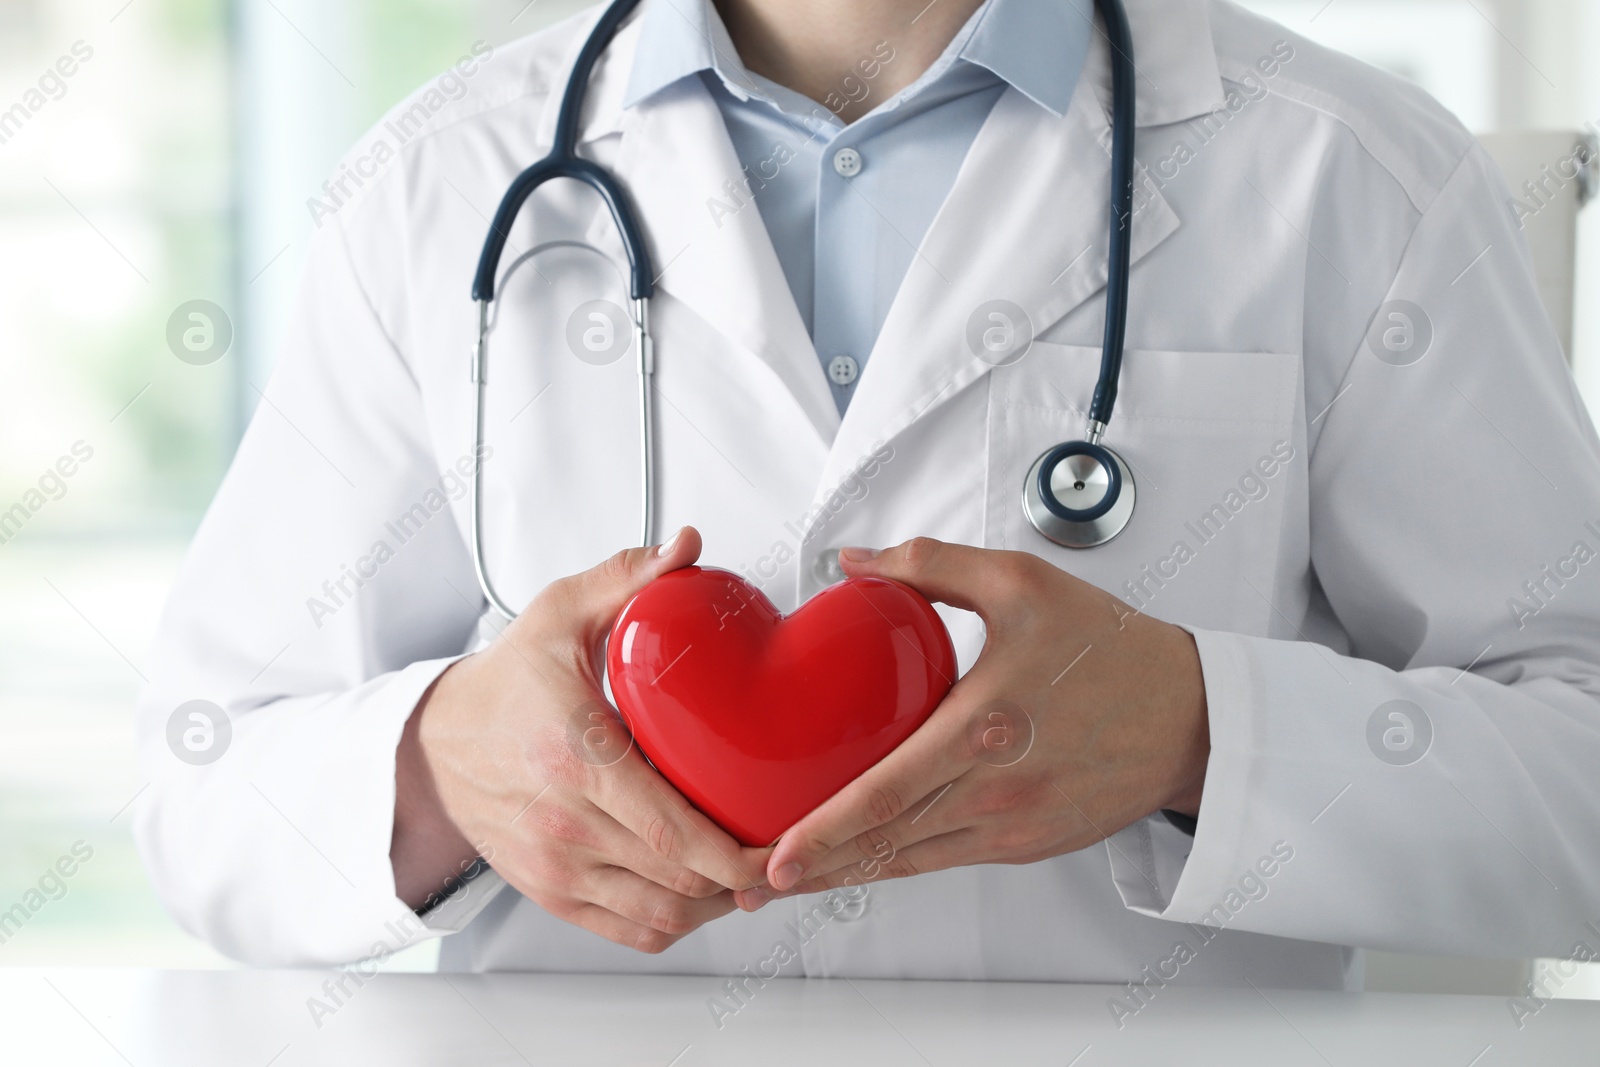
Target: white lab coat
1377,562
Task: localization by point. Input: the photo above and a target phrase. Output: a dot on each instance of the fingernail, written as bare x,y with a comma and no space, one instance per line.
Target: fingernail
786,876
756,898
665,548
859,555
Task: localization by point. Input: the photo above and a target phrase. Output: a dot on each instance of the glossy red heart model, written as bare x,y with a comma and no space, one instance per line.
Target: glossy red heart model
758,717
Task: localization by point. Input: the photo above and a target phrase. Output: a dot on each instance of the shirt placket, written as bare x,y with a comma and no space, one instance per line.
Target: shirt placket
844,253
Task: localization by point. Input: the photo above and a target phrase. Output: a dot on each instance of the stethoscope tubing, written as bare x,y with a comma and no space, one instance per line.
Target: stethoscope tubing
1119,256
644,349
563,161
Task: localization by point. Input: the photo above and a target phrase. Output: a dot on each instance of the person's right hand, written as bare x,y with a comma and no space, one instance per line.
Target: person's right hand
514,754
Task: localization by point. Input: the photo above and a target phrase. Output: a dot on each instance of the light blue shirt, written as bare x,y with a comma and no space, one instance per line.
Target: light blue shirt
847,207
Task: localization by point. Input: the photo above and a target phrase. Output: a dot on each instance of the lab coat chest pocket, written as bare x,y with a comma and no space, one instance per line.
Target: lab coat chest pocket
1213,443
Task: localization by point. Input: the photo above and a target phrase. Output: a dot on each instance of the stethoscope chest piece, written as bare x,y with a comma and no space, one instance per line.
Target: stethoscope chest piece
1079,494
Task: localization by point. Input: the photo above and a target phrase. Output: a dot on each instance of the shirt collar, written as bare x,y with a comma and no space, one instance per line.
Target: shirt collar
1036,46
678,38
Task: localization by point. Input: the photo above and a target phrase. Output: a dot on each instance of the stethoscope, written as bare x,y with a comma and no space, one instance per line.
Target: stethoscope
1079,494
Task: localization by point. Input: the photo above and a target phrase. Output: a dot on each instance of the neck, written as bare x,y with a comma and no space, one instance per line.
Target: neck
848,55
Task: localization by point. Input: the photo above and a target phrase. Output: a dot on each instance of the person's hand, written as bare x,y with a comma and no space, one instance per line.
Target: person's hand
1080,717
515,755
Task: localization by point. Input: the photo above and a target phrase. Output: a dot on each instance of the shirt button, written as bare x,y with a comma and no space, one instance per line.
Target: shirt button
847,161
842,370
825,567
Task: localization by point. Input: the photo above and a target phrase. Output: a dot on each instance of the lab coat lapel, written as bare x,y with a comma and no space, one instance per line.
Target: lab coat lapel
1026,222
709,246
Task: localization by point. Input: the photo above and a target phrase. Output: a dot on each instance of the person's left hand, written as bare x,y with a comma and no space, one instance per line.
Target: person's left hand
1080,717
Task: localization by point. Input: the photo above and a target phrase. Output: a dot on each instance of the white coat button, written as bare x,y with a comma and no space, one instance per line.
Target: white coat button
825,567
847,161
842,370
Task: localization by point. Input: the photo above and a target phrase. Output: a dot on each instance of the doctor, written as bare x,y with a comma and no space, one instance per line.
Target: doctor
1334,686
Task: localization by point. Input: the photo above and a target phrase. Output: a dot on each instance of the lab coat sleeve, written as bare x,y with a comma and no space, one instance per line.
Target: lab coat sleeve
326,589
1435,789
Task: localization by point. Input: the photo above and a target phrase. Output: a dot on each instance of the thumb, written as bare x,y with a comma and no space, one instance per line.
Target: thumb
590,601
959,575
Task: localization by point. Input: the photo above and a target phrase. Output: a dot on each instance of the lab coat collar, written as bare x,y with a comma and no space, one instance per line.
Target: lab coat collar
709,246
1173,52
1037,48
608,82
676,159
981,250
678,38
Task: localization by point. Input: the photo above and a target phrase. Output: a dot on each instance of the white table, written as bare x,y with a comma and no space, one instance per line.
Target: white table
256,1018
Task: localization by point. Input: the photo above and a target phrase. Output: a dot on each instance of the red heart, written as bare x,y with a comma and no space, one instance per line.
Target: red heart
759,717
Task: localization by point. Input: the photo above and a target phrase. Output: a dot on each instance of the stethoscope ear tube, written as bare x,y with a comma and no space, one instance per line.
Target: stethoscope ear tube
563,161
641,280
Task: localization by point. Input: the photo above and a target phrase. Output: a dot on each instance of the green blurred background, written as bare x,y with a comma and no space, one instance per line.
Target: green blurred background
175,166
